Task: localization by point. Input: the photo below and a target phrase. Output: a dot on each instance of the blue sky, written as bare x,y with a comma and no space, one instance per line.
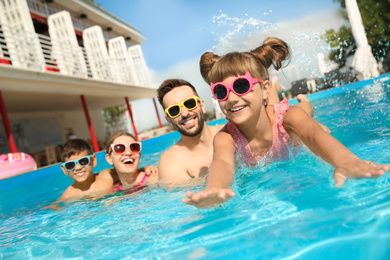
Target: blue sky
179,32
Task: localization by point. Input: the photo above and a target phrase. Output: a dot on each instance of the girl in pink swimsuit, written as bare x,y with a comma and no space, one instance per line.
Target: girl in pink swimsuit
281,142
257,131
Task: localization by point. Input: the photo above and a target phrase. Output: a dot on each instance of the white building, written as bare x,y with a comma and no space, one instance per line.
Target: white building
61,62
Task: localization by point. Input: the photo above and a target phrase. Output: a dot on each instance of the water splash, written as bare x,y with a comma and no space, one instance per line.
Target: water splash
236,33
247,32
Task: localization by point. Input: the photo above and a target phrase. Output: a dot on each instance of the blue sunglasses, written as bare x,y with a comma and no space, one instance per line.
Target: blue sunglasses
83,162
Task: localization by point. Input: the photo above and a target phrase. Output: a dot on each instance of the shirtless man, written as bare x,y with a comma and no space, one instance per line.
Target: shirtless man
192,155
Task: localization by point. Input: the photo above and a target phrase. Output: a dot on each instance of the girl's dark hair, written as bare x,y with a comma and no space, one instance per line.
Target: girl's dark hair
273,51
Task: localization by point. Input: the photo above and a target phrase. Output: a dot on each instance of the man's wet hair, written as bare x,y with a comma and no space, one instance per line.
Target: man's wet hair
170,84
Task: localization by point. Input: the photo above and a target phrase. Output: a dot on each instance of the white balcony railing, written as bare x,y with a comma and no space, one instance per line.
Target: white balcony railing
21,49
43,9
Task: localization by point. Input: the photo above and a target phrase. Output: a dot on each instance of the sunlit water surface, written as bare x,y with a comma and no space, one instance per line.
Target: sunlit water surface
284,210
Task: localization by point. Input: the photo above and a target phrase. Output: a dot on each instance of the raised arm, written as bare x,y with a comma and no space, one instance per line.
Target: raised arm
347,165
220,175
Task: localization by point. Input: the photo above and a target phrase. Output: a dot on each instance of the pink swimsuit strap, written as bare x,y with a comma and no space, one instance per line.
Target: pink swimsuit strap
119,187
281,139
280,142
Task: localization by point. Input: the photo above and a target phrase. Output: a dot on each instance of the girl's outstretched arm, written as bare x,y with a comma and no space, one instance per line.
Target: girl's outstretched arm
347,165
220,175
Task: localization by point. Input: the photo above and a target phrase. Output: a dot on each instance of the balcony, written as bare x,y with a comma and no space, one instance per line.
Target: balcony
36,52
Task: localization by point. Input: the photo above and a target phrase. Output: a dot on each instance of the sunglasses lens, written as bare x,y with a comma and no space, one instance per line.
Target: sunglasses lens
190,103
241,86
220,91
70,165
135,147
174,111
84,161
119,148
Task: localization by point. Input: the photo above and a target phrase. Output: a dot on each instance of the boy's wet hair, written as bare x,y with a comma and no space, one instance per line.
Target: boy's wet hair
75,146
115,135
170,84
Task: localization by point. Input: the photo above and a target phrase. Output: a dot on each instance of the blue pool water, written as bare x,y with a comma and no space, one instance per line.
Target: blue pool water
288,210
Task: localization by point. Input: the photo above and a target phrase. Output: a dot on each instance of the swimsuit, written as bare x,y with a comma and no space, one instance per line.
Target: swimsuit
119,187
280,143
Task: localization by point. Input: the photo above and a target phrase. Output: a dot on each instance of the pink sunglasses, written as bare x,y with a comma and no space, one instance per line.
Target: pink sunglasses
240,86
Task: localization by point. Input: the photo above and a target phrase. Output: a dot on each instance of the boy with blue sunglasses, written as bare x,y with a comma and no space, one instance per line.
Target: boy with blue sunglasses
79,161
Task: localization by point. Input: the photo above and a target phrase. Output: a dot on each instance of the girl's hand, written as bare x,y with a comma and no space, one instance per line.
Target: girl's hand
208,198
357,169
150,170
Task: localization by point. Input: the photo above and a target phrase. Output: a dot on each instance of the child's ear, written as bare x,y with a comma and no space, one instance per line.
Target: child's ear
94,160
108,159
63,169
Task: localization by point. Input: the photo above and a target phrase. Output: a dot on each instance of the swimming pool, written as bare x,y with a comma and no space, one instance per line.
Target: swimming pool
287,210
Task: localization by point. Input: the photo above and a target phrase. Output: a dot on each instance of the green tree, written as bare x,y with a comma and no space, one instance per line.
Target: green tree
376,19
111,116
90,1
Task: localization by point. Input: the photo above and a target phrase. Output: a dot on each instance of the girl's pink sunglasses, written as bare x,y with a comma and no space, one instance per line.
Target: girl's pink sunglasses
240,86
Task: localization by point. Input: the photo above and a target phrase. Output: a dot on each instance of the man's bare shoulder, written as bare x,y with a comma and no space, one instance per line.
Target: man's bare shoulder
215,128
173,164
173,153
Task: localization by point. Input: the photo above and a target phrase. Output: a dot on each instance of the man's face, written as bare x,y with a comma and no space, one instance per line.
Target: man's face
188,123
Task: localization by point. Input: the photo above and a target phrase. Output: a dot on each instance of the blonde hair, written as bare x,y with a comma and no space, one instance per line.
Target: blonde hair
115,135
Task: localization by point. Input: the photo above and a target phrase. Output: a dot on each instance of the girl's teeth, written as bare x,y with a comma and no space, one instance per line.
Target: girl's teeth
236,109
128,161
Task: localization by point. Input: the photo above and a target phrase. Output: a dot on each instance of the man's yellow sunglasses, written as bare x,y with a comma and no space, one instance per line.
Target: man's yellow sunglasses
175,110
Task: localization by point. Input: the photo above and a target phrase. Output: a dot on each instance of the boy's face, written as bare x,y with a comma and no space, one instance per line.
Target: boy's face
80,173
